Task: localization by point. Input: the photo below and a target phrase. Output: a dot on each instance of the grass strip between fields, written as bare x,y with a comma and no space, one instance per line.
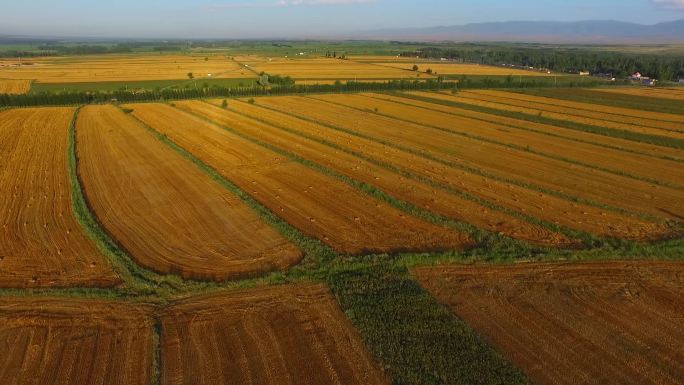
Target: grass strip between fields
587,238
315,251
622,134
595,96
470,169
525,128
480,236
418,340
511,146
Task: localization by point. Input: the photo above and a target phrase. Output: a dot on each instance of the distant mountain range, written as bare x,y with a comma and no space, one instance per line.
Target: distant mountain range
597,31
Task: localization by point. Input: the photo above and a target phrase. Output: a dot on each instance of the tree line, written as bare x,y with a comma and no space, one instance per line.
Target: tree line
559,59
126,96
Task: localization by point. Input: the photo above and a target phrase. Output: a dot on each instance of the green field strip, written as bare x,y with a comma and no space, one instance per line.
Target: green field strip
512,146
418,340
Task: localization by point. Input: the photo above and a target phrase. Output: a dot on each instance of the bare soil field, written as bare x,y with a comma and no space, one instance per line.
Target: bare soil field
440,68
472,99
583,182
511,99
168,214
41,242
620,162
294,334
103,68
330,210
72,341
8,86
328,68
556,131
546,207
571,323
662,93
414,192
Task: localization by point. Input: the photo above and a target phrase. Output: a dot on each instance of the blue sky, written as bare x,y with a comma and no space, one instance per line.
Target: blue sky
299,18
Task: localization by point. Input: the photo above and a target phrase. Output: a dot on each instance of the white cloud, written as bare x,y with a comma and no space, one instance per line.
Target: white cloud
671,4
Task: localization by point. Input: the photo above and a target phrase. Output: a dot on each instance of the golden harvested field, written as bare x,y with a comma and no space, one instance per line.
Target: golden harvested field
103,68
547,207
348,220
610,111
441,68
281,335
417,193
41,242
568,113
488,102
74,341
326,68
8,86
617,161
662,93
555,131
589,323
580,181
169,215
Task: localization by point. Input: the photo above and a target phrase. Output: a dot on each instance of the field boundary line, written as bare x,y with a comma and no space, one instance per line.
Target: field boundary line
587,238
511,146
470,97
583,109
477,171
610,132
523,128
371,190
312,248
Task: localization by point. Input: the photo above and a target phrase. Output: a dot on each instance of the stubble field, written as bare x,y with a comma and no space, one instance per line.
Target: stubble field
589,323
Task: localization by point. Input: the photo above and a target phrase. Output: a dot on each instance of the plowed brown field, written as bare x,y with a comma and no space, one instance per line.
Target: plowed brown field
579,181
41,243
618,143
417,193
549,208
281,335
619,162
69,341
14,86
510,98
348,220
588,323
162,209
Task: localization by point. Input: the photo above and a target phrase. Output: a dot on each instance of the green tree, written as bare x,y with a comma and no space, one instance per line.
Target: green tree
190,76
415,67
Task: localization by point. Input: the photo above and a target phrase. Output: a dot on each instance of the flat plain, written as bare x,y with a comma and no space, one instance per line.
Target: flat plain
164,211
289,334
563,323
41,242
74,341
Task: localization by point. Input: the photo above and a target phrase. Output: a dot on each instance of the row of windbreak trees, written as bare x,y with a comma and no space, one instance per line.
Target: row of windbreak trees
72,98
568,60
